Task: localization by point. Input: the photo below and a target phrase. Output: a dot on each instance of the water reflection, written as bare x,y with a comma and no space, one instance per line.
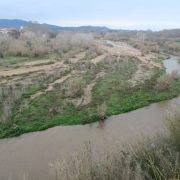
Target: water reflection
101,125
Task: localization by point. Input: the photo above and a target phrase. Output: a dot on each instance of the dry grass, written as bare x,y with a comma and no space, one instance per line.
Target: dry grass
164,82
173,125
33,44
47,68
73,87
156,158
101,111
8,96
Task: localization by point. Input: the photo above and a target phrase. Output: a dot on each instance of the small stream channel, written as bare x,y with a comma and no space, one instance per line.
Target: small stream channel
31,153
172,64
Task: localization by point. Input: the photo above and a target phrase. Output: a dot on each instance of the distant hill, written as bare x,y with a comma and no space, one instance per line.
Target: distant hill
87,29
17,23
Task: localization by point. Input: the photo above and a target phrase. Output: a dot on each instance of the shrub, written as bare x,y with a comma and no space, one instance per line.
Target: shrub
8,97
175,75
39,42
101,111
164,82
73,88
70,41
17,48
4,42
173,125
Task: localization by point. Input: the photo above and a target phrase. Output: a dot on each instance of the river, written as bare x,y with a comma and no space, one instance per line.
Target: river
172,64
31,153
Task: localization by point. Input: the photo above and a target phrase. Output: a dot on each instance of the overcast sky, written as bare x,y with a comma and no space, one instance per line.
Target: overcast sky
125,14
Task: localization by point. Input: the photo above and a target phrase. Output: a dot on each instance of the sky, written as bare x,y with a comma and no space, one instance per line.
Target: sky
117,14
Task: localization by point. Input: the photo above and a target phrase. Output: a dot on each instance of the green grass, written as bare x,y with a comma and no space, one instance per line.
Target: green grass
32,90
178,42
15,61
37,117
54,108
12,60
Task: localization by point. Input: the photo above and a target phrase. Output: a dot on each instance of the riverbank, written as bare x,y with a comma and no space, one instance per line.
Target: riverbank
88,87
111,95
32,154
116,104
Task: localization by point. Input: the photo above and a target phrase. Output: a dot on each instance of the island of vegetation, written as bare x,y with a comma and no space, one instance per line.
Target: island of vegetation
52,78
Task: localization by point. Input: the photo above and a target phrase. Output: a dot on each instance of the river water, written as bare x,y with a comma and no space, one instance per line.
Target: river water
33,152
172,64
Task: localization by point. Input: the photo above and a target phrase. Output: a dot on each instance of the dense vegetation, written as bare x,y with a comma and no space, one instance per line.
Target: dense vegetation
112,95
91,90
166,41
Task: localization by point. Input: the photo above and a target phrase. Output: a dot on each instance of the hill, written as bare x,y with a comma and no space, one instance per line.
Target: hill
17,23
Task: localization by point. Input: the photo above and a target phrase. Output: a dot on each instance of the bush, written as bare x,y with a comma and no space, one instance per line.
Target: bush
4,42
8,96
17,48
71,41
173,125
164,82
34,43
73,88
175,75
101,111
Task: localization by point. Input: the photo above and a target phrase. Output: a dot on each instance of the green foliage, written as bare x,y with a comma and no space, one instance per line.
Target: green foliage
51,110
31,90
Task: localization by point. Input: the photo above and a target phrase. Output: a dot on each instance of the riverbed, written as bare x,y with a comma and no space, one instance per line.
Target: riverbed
172,64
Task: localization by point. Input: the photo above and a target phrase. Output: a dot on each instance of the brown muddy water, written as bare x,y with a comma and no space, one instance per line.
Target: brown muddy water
32,153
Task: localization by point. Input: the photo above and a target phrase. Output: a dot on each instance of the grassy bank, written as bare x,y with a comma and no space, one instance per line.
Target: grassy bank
154,158
116,103
112,94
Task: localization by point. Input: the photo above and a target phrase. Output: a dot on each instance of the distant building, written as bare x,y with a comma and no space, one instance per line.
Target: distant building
15,33
3,30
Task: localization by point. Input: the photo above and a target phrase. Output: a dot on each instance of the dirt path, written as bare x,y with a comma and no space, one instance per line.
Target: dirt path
121,48
87,97
27,70
147,60
98,58
38,63
50,87
77,58
58,81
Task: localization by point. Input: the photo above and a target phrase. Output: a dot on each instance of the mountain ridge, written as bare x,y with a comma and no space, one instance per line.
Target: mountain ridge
18,23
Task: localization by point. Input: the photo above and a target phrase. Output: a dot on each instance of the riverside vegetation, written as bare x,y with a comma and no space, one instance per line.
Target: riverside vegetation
76,78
